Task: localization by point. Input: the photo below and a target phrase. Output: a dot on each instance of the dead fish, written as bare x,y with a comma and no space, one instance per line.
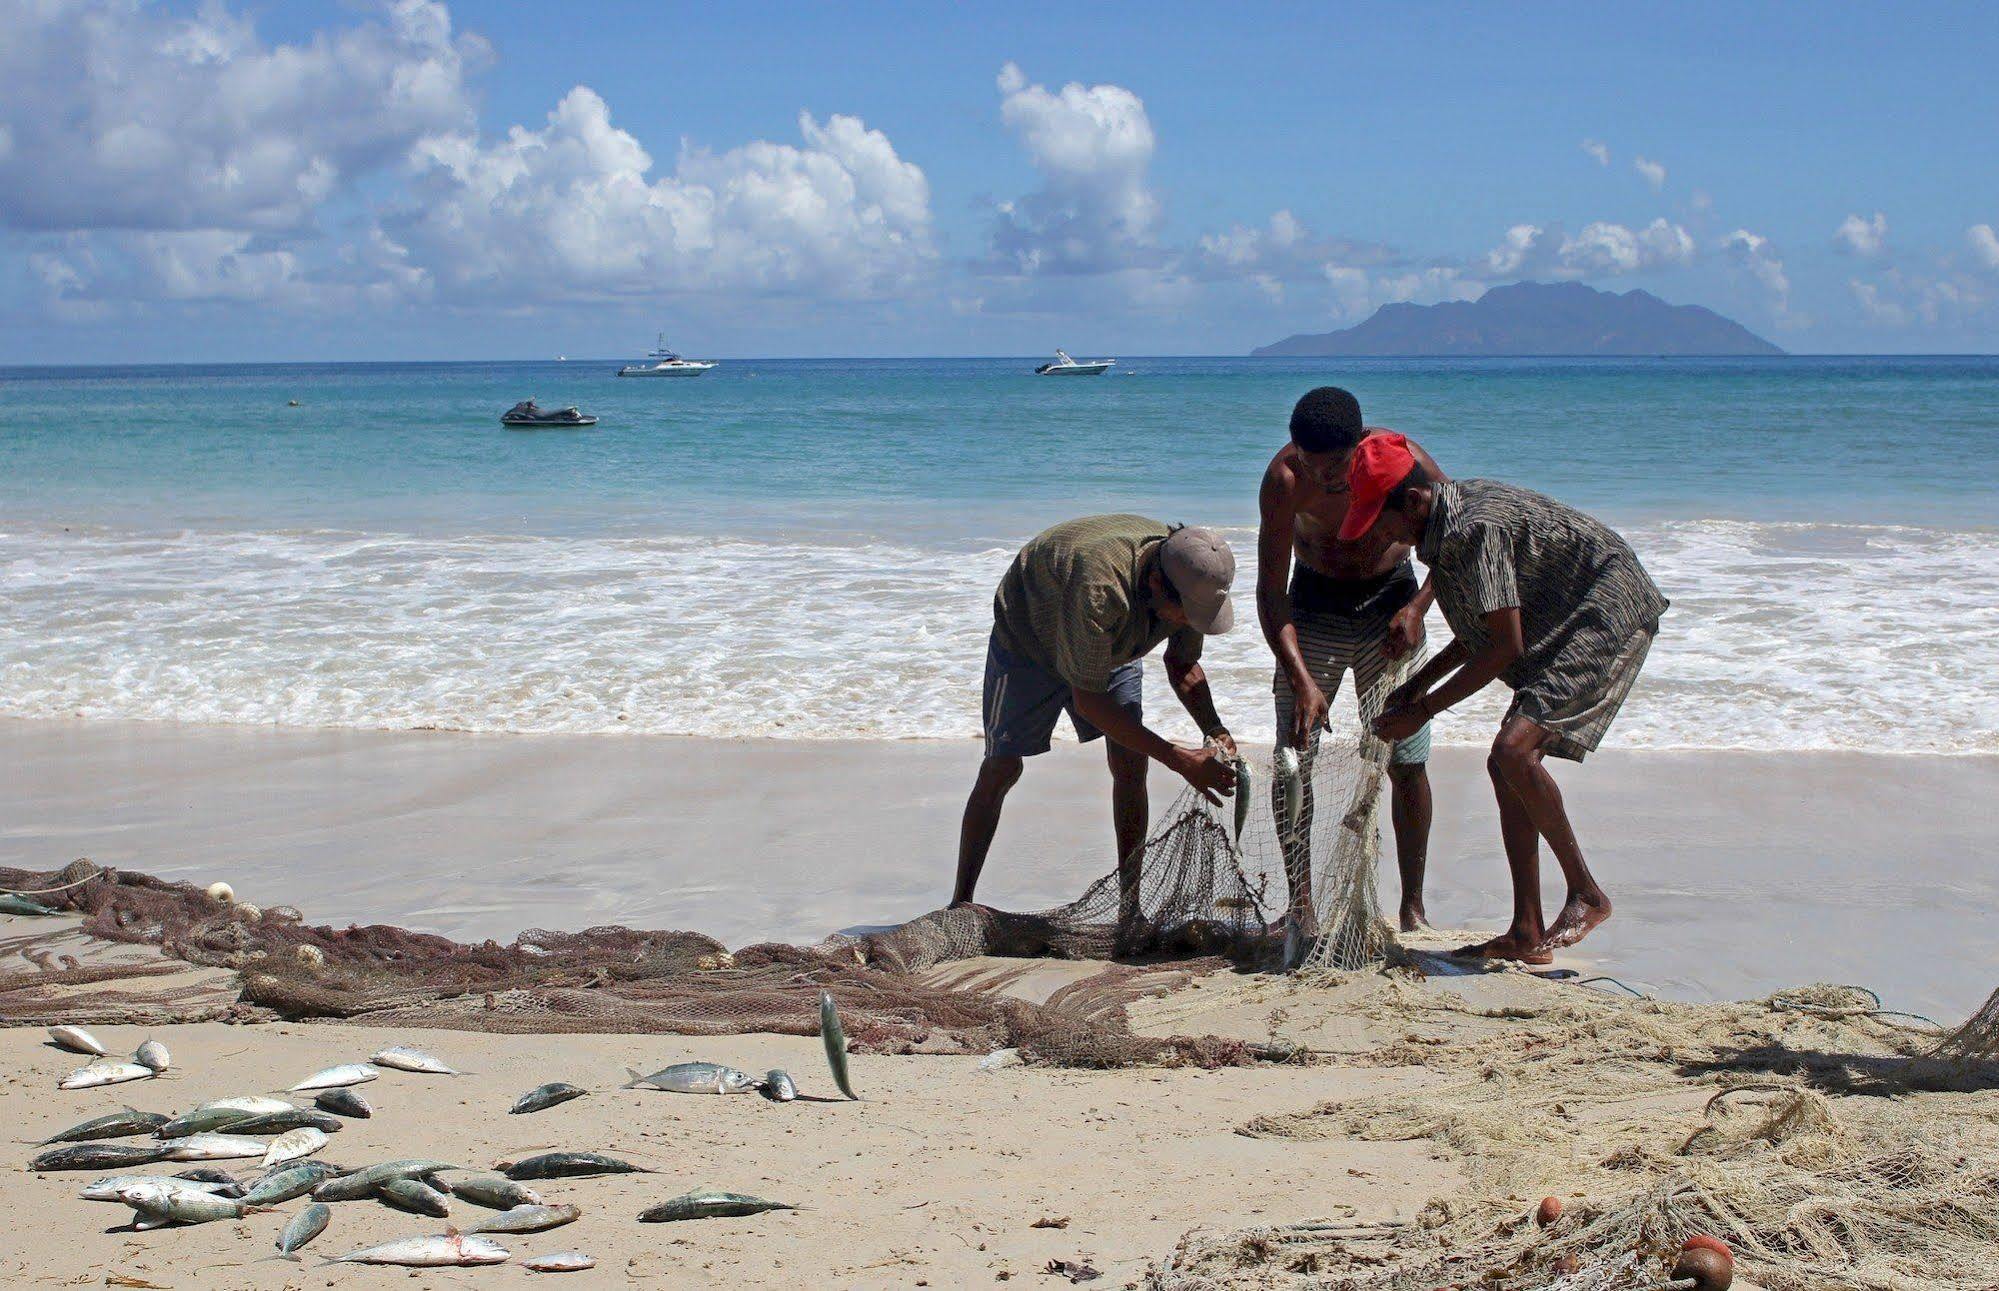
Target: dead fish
291,1118
286,1182
254,1104
559,1262
15,903
778,1086
358,1184
1242,795
709,1203
97,1156
693,1078
179,1206
306,1225
116,1125
153,1054
527,1219
225,1183
294,1144
567,1165
105,1073
107,1189
1291,804
415,1196
353,1073
202,1120
77,1040
494,1193
451,1249
835,1038
403,1058
211,1147
543,1097
344,1102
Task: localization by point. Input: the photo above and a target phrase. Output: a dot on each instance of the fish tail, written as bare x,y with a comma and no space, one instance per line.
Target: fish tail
637,1078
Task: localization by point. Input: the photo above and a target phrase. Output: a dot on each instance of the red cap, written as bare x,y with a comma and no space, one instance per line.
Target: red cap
1379,464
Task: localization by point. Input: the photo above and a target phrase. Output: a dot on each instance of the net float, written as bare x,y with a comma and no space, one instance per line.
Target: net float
1707,1267
1548,1211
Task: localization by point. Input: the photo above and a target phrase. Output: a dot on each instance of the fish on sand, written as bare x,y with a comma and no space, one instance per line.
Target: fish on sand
285,1182
202,1120
254,1104
353,1073
306,1225
291,1118
358,1184
153,1054
778,1086
415,1196
494,1193
559,1262
122,1124
543,1097
709,1203
567,1165
444,1251
179,1206
294,1144
77,1040
834,1036
344,1102
693,1078
403,1058
97,1156
106,1073
527,1219
211,1147
109,1189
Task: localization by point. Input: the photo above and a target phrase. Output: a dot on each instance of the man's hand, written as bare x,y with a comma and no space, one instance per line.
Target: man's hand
1403,696
1210,775
1400,722
1222,742
1309,707
1405,631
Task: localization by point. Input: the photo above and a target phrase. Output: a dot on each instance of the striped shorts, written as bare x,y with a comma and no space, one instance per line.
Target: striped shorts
1342,626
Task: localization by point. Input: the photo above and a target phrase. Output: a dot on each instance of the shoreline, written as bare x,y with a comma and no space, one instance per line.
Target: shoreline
1734,874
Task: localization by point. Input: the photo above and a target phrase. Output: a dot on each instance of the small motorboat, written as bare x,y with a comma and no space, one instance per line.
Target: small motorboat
1064,366
663,362
529,415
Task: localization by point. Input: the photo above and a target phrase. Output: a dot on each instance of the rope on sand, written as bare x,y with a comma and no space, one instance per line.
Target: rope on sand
60,887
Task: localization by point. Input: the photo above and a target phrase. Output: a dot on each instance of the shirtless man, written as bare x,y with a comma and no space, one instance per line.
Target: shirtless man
1348,605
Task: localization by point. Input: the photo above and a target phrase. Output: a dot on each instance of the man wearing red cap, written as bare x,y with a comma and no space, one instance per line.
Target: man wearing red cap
1539,596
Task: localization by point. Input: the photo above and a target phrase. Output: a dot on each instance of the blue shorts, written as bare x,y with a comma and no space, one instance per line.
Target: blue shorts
1022,701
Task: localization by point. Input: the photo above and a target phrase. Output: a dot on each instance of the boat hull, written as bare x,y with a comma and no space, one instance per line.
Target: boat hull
1073,370
664,372
549,425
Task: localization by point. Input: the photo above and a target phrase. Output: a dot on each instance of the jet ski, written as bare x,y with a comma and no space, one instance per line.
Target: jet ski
527,414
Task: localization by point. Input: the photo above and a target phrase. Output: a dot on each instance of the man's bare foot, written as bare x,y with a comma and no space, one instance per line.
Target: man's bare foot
1506,946
1582,912
1413,918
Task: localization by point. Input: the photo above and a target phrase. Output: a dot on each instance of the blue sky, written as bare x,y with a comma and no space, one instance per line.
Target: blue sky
410,179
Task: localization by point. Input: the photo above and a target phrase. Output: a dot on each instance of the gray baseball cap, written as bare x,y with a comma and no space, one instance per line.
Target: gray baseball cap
1200,566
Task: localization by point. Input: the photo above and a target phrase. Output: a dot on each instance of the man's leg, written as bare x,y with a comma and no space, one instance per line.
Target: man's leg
1519,752
1409,808
1131,811
1522,841
982,816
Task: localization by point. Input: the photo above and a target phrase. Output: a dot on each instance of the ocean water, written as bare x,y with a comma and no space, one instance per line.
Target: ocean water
807,549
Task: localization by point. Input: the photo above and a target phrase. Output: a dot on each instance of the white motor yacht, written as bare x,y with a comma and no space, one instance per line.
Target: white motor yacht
1064,366
663,362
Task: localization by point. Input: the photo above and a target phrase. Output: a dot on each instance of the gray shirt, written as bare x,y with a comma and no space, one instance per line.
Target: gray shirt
1578,586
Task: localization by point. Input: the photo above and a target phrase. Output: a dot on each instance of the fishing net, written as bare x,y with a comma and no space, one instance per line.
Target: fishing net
1818,1135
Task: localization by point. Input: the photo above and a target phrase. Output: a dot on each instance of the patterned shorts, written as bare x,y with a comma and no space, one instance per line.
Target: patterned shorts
1342,625
1579,720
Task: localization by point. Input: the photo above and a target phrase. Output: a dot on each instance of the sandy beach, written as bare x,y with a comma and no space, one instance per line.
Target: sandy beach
1734,873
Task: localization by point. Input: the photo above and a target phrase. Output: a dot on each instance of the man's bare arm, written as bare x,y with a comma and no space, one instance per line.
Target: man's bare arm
1276,531
1199,767
1190,683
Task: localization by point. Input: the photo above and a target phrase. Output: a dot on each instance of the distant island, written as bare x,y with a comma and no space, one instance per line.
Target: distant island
1535,318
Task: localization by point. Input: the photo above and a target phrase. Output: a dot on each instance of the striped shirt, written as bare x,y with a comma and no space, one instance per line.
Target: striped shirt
1578,586
1074,601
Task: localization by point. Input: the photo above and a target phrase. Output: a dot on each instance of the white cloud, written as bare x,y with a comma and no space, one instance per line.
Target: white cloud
1601,250
1598,150
1095,211
1984,245
571,211
1862,237
122,116
1654,172
1753,254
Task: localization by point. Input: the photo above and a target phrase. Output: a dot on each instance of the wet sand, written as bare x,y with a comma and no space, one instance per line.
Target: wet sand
1733,873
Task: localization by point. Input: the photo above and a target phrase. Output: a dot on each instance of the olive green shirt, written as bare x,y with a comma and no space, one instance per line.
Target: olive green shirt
1074,601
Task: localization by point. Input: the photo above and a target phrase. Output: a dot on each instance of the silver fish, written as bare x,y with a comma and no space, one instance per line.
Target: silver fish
153,1054
211,1147
559,1262
709,1203
403,1058
543,1097
344,1102
117,1125
357,1184
834,1037
144,1223
289,1181
179,1206
15,903
415,1196
294,1144
254,1104
353,1073
1291,801
97,1156
527,1219
105,1073
201,1120
289,1119
449,1250
778,1086
1242,795
225,1182
306,1225
108,1189
568,1165
693,1078
77,1040
494,1193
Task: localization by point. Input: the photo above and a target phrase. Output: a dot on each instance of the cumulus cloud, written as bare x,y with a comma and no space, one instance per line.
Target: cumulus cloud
1601,250
1280,252
1654,172
1095,211
1598,150
1862,237
1984,245
121,116
1753,255
572,211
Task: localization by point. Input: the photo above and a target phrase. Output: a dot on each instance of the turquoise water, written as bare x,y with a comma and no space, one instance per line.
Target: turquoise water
807,548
